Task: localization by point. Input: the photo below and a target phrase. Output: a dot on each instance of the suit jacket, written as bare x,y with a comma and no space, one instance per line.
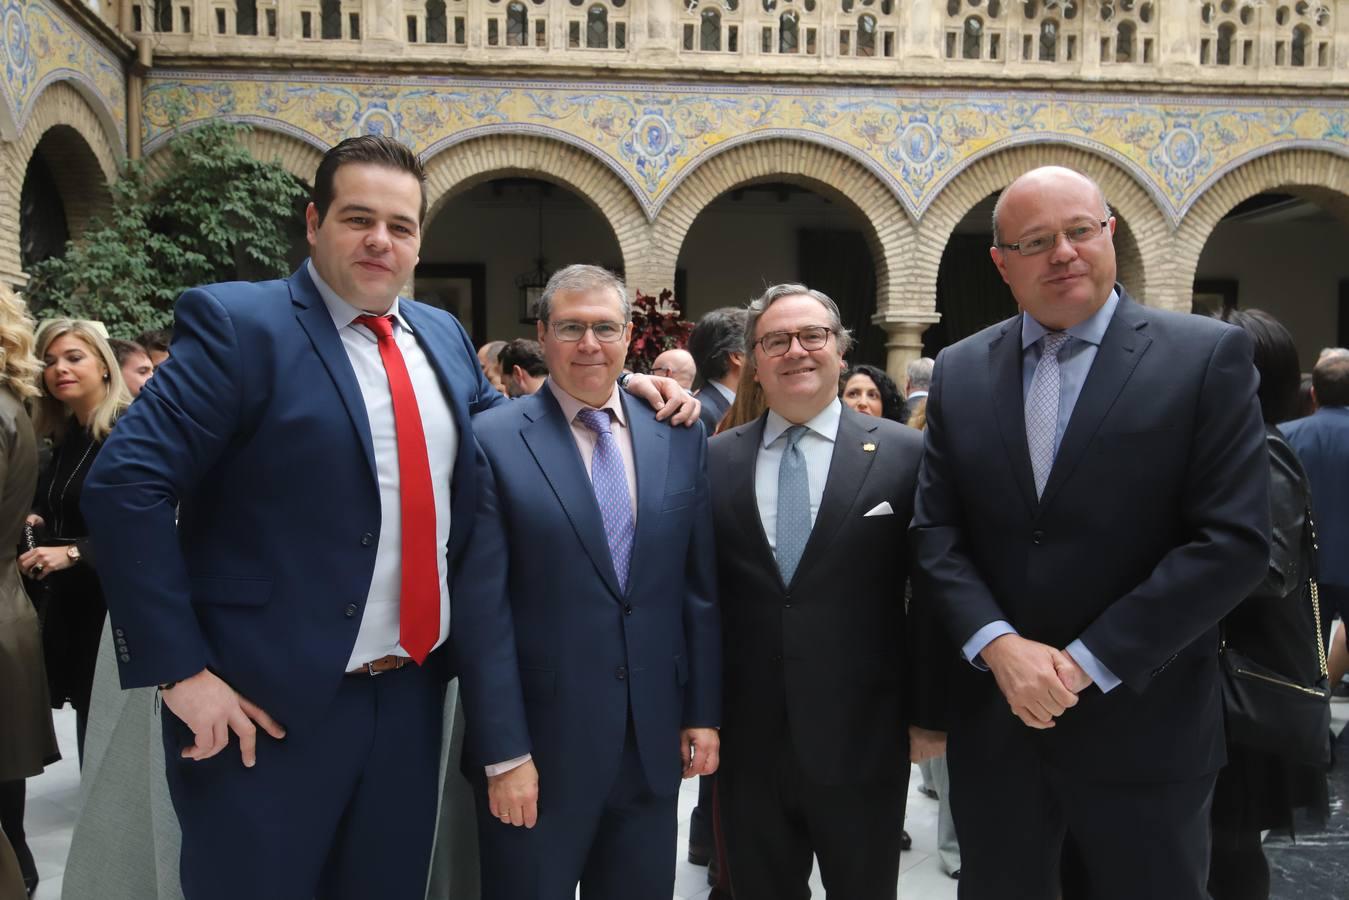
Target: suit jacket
821,661
1154,523
553,653
256,436
714,407
1322,443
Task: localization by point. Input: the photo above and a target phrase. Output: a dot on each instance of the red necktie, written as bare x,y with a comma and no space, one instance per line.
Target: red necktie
419,611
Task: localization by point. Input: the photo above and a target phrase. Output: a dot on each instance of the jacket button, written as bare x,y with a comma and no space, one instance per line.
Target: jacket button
119,633
627,610
125,657
367,539
351,610
1037,538
621,673
787,605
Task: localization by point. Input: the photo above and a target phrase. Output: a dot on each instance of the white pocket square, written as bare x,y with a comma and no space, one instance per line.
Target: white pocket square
881,509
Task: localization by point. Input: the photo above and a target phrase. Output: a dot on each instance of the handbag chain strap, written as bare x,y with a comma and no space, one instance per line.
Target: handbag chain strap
1316,597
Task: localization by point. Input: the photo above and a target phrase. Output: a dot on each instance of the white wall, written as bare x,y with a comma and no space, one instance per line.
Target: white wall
1291,270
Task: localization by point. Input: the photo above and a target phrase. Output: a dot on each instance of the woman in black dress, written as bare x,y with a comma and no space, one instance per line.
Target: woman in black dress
82,395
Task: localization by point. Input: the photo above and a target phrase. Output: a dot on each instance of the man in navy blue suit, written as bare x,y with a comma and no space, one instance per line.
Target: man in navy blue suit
282,521
599,521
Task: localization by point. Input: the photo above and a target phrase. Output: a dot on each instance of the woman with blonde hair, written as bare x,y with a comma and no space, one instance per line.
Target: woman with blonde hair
81,394
29,742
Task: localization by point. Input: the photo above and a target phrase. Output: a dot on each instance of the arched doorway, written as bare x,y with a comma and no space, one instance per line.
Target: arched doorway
485,243
63,188
772,232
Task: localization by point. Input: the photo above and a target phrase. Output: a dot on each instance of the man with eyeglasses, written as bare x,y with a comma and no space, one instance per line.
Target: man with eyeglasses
812,502
593,666
1094,498
676,364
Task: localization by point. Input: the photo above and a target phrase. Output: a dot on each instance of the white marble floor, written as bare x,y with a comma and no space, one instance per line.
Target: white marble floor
53,805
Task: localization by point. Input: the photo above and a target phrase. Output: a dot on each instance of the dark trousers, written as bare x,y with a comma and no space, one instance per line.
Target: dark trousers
1013,814
777,820
345,809
618,844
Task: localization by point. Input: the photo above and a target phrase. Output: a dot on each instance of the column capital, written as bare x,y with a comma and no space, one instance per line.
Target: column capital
904,338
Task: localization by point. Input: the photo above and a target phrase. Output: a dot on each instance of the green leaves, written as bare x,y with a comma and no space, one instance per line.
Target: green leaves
219,215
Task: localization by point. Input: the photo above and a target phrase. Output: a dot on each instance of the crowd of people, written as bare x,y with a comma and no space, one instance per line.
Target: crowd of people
357,610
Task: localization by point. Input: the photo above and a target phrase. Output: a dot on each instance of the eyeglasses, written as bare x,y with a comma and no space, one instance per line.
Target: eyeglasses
1033,244
777,343
571,332
663,371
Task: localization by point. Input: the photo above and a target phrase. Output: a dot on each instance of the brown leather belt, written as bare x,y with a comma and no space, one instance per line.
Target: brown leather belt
381,665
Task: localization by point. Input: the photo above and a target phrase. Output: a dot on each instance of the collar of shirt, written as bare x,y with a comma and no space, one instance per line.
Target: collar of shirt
1090,331
723,390
916,394
571,406
344,313
825,423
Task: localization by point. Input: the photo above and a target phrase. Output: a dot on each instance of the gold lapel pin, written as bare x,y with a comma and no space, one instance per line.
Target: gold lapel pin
869,447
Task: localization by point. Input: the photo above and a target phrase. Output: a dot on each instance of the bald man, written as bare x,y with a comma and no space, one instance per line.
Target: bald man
676,364
1094,498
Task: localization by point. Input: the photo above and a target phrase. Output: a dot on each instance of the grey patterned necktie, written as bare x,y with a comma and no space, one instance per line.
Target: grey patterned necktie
793,505
1042,408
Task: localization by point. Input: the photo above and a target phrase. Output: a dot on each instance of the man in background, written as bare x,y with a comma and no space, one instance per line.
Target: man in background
717,345
487,358
156,345
918,378
135,364
676,364
523,368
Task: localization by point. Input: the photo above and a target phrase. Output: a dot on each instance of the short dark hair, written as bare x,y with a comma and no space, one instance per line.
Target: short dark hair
524,353
1275,360
373,149
1330,380
124,350
892,404
155,341
717,335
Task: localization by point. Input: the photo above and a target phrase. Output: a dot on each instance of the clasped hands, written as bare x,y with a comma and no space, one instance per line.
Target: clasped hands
1039,682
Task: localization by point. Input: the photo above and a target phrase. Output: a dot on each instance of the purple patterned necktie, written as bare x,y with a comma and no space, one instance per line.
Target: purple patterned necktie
1042,409
610,481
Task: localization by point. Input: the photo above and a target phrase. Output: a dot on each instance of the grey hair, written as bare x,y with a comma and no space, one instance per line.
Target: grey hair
579,279
775,293
919,373
997,207
717,335
1331,353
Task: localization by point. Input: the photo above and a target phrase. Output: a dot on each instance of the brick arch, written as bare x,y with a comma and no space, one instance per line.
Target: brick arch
1142,241
464,165
889,230
299,158
1315,175
85,164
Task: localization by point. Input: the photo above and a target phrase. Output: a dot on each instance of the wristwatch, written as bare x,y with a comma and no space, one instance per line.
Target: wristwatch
73,552
623,380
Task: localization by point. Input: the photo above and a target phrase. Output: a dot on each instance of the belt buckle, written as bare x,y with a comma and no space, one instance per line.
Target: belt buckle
370,668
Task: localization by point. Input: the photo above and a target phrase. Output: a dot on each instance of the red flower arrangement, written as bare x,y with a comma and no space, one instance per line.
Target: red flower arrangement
656,327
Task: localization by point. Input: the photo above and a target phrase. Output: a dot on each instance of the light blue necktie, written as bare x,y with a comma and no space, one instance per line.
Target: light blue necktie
1042,408
793,505
610,481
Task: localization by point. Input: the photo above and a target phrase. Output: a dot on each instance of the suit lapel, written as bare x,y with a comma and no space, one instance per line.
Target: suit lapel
549,439
313,316
744,502
847,472
651,455
1009,405
1122,346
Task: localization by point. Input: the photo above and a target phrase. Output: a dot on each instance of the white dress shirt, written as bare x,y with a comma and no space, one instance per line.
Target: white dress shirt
816,445
379,629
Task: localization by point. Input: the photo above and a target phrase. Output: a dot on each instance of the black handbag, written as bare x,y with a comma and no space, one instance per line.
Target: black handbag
1271,712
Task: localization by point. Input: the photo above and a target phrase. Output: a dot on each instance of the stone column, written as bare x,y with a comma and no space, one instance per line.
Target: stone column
904,339
380,20
924,36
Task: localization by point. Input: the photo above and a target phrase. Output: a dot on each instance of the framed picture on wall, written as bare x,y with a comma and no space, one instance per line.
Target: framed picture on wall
458,288
1212,296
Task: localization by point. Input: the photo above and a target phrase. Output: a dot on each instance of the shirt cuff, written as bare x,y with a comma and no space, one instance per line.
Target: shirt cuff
502,768
982,638
1104,678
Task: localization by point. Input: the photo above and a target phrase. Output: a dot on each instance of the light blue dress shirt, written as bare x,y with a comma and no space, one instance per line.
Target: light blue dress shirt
1075,361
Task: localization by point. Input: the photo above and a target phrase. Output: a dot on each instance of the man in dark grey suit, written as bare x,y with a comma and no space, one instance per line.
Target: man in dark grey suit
811,503
717,344
1094,498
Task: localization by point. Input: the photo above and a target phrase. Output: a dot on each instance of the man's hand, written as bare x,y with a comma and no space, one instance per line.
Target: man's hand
1027,675
513,796
925,744
1073,676
700,749
667,398
212,709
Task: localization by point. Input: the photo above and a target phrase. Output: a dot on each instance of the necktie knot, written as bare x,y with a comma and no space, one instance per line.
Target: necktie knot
794,435
1053,342
382,326
597,420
